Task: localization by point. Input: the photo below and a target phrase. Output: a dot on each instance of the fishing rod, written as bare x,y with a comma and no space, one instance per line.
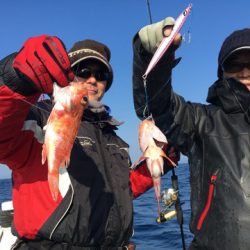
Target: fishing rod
146,112
149,12
170,197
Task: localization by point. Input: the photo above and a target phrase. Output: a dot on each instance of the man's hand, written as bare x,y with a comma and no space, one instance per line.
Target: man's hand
42,61
152,35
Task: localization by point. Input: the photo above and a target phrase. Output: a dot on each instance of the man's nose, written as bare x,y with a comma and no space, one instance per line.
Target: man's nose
246,71
91,80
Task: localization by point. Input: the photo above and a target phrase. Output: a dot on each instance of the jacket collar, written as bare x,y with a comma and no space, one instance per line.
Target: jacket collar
99,113
230,94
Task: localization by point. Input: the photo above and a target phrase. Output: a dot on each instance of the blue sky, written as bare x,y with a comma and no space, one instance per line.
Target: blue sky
115,22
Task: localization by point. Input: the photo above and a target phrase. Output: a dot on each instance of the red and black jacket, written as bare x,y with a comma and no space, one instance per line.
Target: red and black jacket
95,202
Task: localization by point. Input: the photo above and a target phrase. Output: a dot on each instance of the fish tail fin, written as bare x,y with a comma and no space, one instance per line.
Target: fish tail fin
53,180
157,187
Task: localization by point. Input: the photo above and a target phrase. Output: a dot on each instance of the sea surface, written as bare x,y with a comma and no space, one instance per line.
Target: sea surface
147,233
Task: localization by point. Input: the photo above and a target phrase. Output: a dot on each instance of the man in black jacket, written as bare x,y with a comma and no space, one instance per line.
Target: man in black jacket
214,137
94,206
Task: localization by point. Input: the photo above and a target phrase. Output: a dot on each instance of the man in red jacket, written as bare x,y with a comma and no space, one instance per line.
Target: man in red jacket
94,206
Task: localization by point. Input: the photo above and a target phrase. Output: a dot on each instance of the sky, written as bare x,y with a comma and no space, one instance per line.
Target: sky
115,22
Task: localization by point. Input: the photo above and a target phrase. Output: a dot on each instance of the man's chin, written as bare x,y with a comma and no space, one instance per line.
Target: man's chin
246,83
93,97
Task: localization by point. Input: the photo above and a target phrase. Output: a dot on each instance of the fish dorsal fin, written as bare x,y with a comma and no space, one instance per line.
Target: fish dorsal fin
158,135
148,131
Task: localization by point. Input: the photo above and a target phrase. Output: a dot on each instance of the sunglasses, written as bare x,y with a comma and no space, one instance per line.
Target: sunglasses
99,75
234,67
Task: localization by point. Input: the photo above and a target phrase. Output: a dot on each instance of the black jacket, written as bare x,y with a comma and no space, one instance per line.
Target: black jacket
101,207
216,140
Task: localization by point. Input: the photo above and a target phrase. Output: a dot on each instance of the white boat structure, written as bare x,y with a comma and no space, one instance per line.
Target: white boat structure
7,239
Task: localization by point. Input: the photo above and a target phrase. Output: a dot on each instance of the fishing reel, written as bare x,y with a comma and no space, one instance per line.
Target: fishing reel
169,198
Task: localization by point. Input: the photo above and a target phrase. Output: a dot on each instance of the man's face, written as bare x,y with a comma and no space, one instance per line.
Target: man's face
237,66
94,78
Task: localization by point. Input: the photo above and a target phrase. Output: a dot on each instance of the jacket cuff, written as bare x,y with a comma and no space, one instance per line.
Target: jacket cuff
140,180
14,80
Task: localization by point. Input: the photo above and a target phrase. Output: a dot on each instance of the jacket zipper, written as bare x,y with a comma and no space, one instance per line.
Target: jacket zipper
100,142
66,211
209,200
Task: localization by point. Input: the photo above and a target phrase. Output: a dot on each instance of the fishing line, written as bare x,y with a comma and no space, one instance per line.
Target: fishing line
145,107
146,112
34,105
164,45
149,12
48,112
39,108
154,96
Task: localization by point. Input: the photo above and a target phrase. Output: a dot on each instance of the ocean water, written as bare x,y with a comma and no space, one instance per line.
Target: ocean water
152,236
5,190
147,233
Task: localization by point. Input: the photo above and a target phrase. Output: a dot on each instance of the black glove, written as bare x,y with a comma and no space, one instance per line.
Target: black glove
42,61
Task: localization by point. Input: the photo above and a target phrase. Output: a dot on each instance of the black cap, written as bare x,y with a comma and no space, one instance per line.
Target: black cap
238,40
91,49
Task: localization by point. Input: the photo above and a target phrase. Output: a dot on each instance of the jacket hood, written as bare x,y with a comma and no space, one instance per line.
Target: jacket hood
230,94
